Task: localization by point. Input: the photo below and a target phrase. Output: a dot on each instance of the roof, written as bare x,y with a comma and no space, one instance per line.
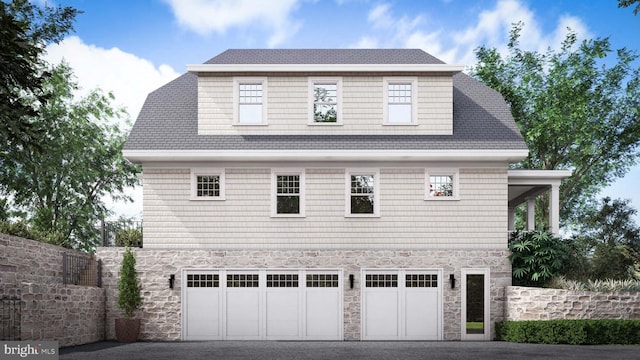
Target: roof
323,56
169,117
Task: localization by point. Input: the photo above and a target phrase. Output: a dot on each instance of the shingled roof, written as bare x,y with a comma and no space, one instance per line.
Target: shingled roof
169,118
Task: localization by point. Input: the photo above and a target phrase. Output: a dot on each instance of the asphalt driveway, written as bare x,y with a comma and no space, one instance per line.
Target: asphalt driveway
342,350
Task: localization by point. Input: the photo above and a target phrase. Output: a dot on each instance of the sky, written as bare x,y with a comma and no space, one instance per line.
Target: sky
132,47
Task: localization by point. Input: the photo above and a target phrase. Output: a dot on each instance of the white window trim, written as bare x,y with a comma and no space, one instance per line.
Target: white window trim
207,172
414,99
274,191
376,191
236,99
442,171
325,80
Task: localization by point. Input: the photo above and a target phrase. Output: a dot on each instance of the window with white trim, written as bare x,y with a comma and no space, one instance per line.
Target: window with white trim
400,101
325,97
441,184
207,184
288,193
250,96
362,193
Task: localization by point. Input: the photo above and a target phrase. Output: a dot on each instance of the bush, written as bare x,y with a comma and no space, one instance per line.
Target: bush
609,285
129,298
573,332
536,257
129,237
23,230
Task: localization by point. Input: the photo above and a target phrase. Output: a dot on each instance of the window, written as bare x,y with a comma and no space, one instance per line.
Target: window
288,193
381,280
282,280
325,101
441,184
207,184
322,280
203,280
242,280
250,96
362,193
400,102
421,280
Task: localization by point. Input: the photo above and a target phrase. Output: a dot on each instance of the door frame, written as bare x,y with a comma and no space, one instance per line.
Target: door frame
487,303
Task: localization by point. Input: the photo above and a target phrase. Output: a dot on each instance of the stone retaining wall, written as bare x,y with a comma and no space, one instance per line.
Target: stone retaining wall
525,303
161,313
51,310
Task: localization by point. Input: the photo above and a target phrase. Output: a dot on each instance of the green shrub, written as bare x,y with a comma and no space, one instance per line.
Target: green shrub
536,257
23,230
574,332
129,237
129,298
609,285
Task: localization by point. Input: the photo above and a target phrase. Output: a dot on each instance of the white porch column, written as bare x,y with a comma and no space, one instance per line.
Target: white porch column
531,214
554,209
511,224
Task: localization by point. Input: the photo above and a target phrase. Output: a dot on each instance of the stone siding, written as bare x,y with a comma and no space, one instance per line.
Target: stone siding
51,310
161,312
525,303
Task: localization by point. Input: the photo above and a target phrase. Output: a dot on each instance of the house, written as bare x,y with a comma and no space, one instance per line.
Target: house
322,194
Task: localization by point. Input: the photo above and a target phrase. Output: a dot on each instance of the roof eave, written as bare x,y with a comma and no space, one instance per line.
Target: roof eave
143,156
248,68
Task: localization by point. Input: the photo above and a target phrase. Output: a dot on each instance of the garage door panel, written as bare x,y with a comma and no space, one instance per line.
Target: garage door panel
323,315
381,313
202,306
243,314
283,314
421,308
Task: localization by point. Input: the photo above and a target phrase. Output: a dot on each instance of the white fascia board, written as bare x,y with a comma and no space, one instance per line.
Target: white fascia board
215,68
531,176
141,156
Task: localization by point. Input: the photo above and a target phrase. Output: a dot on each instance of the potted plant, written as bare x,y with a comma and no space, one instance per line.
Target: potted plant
129,299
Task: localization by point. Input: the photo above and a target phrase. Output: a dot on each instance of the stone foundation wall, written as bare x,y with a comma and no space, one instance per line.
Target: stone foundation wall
51,310
161,313
525,303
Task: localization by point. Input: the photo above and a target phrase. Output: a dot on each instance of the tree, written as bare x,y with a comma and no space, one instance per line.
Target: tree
574,111
61,181
608,241
129,298
25,31
627,3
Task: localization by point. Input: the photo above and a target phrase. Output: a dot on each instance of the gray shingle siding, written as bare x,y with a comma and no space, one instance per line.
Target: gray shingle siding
169,118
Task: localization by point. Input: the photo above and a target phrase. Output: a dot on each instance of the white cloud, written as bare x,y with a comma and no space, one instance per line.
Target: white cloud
217,16
128,76
490,28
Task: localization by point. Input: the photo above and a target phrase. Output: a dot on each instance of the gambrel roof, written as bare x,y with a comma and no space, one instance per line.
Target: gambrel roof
169,118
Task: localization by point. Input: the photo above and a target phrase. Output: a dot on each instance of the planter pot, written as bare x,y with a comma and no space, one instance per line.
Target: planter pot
127,330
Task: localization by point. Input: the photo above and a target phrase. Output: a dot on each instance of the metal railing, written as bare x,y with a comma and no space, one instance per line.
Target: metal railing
83,270
109,231
10,314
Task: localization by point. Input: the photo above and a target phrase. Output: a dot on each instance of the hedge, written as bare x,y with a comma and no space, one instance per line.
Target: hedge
574,332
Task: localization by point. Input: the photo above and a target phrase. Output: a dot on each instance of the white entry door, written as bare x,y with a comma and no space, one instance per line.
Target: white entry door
401,305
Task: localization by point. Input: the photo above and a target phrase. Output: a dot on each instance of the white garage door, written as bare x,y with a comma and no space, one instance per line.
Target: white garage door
402,305
263,305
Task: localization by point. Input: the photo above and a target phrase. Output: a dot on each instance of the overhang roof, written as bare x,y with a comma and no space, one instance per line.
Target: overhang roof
525,184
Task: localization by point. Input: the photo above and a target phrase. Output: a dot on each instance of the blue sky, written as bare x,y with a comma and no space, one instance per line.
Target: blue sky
131,47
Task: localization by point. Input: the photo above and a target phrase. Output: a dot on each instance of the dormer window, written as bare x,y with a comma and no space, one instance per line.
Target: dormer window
250,96
325,101
400,101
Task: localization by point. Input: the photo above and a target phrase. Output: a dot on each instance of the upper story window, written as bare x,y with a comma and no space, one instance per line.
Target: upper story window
325,97
400,101
250,100
207,184
442,184
288,193
362,193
